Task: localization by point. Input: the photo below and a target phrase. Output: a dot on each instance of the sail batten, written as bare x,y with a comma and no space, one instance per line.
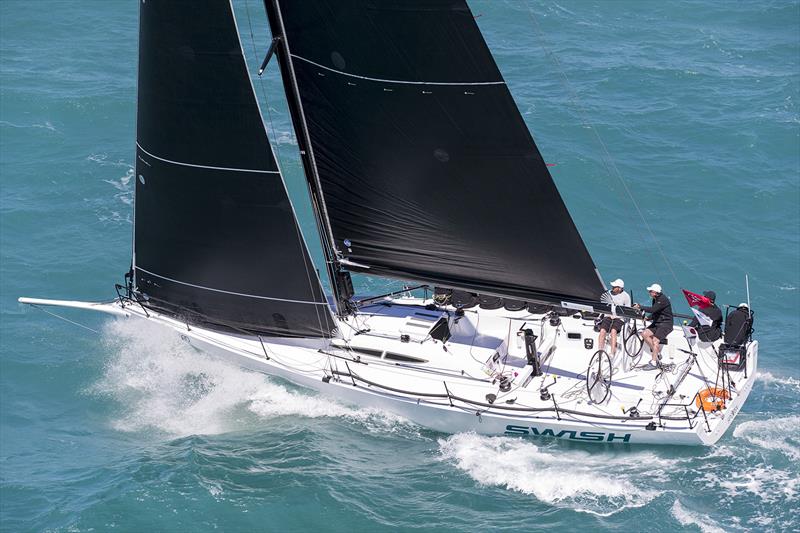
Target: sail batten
427,169
184,163
409,82
216,241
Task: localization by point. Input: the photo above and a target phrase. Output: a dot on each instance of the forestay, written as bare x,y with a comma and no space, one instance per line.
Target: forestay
216,241
427,169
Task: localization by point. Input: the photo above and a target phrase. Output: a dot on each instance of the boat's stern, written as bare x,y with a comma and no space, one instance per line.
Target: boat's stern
741,383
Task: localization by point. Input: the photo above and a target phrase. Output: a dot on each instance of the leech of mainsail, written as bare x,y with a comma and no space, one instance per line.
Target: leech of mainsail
425,166
215,239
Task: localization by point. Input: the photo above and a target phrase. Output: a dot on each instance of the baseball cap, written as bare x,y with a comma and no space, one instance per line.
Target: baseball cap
711,295
618,283
744,304
654,287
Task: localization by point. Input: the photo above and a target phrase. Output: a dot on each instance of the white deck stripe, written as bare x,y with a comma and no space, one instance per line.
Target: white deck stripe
205,166
230,292
400,81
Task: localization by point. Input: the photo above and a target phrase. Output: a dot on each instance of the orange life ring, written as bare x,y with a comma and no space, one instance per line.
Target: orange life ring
712,399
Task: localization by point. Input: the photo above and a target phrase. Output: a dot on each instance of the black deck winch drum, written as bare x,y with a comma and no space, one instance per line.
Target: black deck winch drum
442,296
538,309
464,299
513,305
490,302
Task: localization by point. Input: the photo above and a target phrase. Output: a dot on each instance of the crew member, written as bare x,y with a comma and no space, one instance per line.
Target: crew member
739,325
660,324
612,322
713,332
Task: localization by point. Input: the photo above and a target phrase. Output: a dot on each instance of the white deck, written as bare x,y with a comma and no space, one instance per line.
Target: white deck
444,386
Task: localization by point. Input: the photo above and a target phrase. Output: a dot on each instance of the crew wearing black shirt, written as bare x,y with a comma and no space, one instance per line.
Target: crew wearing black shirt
714,331
660,324
660,316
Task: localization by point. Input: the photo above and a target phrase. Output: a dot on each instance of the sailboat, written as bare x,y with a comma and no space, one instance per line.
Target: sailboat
419,168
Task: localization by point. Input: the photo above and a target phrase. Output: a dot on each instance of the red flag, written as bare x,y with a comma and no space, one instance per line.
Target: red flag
696,299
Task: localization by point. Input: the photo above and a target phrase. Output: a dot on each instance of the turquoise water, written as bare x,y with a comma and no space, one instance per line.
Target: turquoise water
124,429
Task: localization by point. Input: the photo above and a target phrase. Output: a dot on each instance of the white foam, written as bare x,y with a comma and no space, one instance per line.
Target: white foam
163,384
574,479
47,125
102,159
769,378
767,483
780,434
692,518
273,400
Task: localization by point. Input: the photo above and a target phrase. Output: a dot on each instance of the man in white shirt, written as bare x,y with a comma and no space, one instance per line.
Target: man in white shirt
612,322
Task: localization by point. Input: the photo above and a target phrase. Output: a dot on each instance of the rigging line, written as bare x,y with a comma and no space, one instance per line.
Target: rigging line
327,251
608,162
198,333
322,315
261,86
313,179
583,116
245,295
65,319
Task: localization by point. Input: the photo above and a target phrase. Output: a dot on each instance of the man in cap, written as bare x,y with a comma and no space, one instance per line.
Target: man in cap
660,323
611,322
739,325
709,332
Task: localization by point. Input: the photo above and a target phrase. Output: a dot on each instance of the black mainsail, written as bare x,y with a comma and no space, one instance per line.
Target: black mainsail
426,168
216,241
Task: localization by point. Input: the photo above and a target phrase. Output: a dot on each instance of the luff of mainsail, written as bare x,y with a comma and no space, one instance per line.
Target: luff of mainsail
328,241
216,241
427,168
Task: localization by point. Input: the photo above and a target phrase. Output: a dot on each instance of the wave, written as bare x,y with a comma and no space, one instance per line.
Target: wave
163,384
692,518
124,186
574,479
769,378
102,159
46,126
768,484
778,434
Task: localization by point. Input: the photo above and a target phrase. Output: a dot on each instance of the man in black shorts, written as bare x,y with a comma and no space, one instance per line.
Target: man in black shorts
612,322
660,323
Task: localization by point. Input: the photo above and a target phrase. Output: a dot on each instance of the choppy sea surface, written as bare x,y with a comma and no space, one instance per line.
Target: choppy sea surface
126,429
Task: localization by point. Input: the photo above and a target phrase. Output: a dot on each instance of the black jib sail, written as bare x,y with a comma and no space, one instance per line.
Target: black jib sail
215,241
427,169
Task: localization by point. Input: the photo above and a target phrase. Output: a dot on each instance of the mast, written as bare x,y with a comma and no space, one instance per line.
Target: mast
419,161
332,254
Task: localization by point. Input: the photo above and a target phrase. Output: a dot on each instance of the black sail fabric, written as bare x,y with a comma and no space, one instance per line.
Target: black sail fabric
427,168
215,241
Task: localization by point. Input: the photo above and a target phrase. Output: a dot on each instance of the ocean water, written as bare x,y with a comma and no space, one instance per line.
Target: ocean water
123,428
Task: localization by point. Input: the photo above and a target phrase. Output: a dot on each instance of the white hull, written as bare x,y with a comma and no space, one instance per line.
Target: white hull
446,388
